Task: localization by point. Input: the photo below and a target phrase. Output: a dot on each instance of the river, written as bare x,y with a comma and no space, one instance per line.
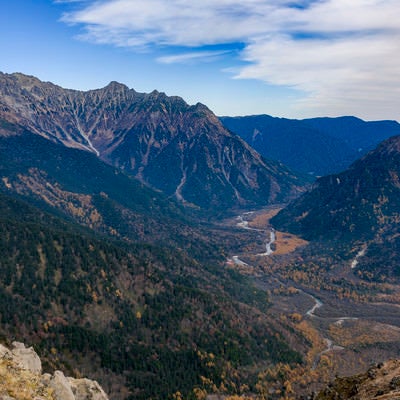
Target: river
330,346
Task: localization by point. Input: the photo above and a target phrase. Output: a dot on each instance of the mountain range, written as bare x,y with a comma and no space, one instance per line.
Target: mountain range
316,146
181,150
102,271
111,258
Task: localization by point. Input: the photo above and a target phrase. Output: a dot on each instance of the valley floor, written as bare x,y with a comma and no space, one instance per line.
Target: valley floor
349,324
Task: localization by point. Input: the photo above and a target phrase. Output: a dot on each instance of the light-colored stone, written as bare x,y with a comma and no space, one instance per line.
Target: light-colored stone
4,352
18,345
24,362
86,389
45,379
26,358
61,386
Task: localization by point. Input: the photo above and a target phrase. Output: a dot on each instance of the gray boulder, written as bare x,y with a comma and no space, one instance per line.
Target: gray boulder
61,386
64,388
26,358
86,389
5,353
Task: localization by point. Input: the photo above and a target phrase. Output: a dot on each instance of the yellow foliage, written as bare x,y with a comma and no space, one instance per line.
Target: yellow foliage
95,298
296,317
292,290
177,396
20,384
201,394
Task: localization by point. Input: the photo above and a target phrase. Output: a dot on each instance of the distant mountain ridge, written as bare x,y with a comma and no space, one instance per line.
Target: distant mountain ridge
318,146
182,150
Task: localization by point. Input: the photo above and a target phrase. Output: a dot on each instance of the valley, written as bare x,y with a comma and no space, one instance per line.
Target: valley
349,323
146,246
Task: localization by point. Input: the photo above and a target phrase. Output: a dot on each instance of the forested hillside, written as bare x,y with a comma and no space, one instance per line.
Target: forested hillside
143,320
359,207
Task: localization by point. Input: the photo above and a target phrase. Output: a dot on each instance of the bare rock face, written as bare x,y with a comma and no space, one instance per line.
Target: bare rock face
85,389
61,386
5,353
179,149
380,382
26,358
20,374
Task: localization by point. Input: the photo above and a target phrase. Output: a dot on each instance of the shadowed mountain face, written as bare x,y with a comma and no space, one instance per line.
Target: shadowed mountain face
182,150
80,187
317,146
360,205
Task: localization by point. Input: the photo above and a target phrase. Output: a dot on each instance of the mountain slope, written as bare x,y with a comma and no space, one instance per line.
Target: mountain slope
137,295
181,150
79,186
361,204
136,318
318,145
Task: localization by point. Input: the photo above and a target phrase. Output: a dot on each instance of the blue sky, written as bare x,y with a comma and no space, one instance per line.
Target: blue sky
285,58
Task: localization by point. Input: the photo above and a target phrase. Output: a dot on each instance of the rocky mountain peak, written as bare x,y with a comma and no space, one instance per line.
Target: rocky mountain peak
168,145
26,81
201,107
116,86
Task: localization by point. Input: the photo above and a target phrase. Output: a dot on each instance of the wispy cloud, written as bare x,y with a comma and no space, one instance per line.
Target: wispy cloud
173,22
343,54
193,57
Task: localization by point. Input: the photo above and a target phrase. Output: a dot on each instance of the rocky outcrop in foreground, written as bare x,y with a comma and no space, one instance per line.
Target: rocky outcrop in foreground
21,378
380,382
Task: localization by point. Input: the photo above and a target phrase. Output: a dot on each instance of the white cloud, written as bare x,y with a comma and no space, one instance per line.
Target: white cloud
357,75
343,54
173,22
